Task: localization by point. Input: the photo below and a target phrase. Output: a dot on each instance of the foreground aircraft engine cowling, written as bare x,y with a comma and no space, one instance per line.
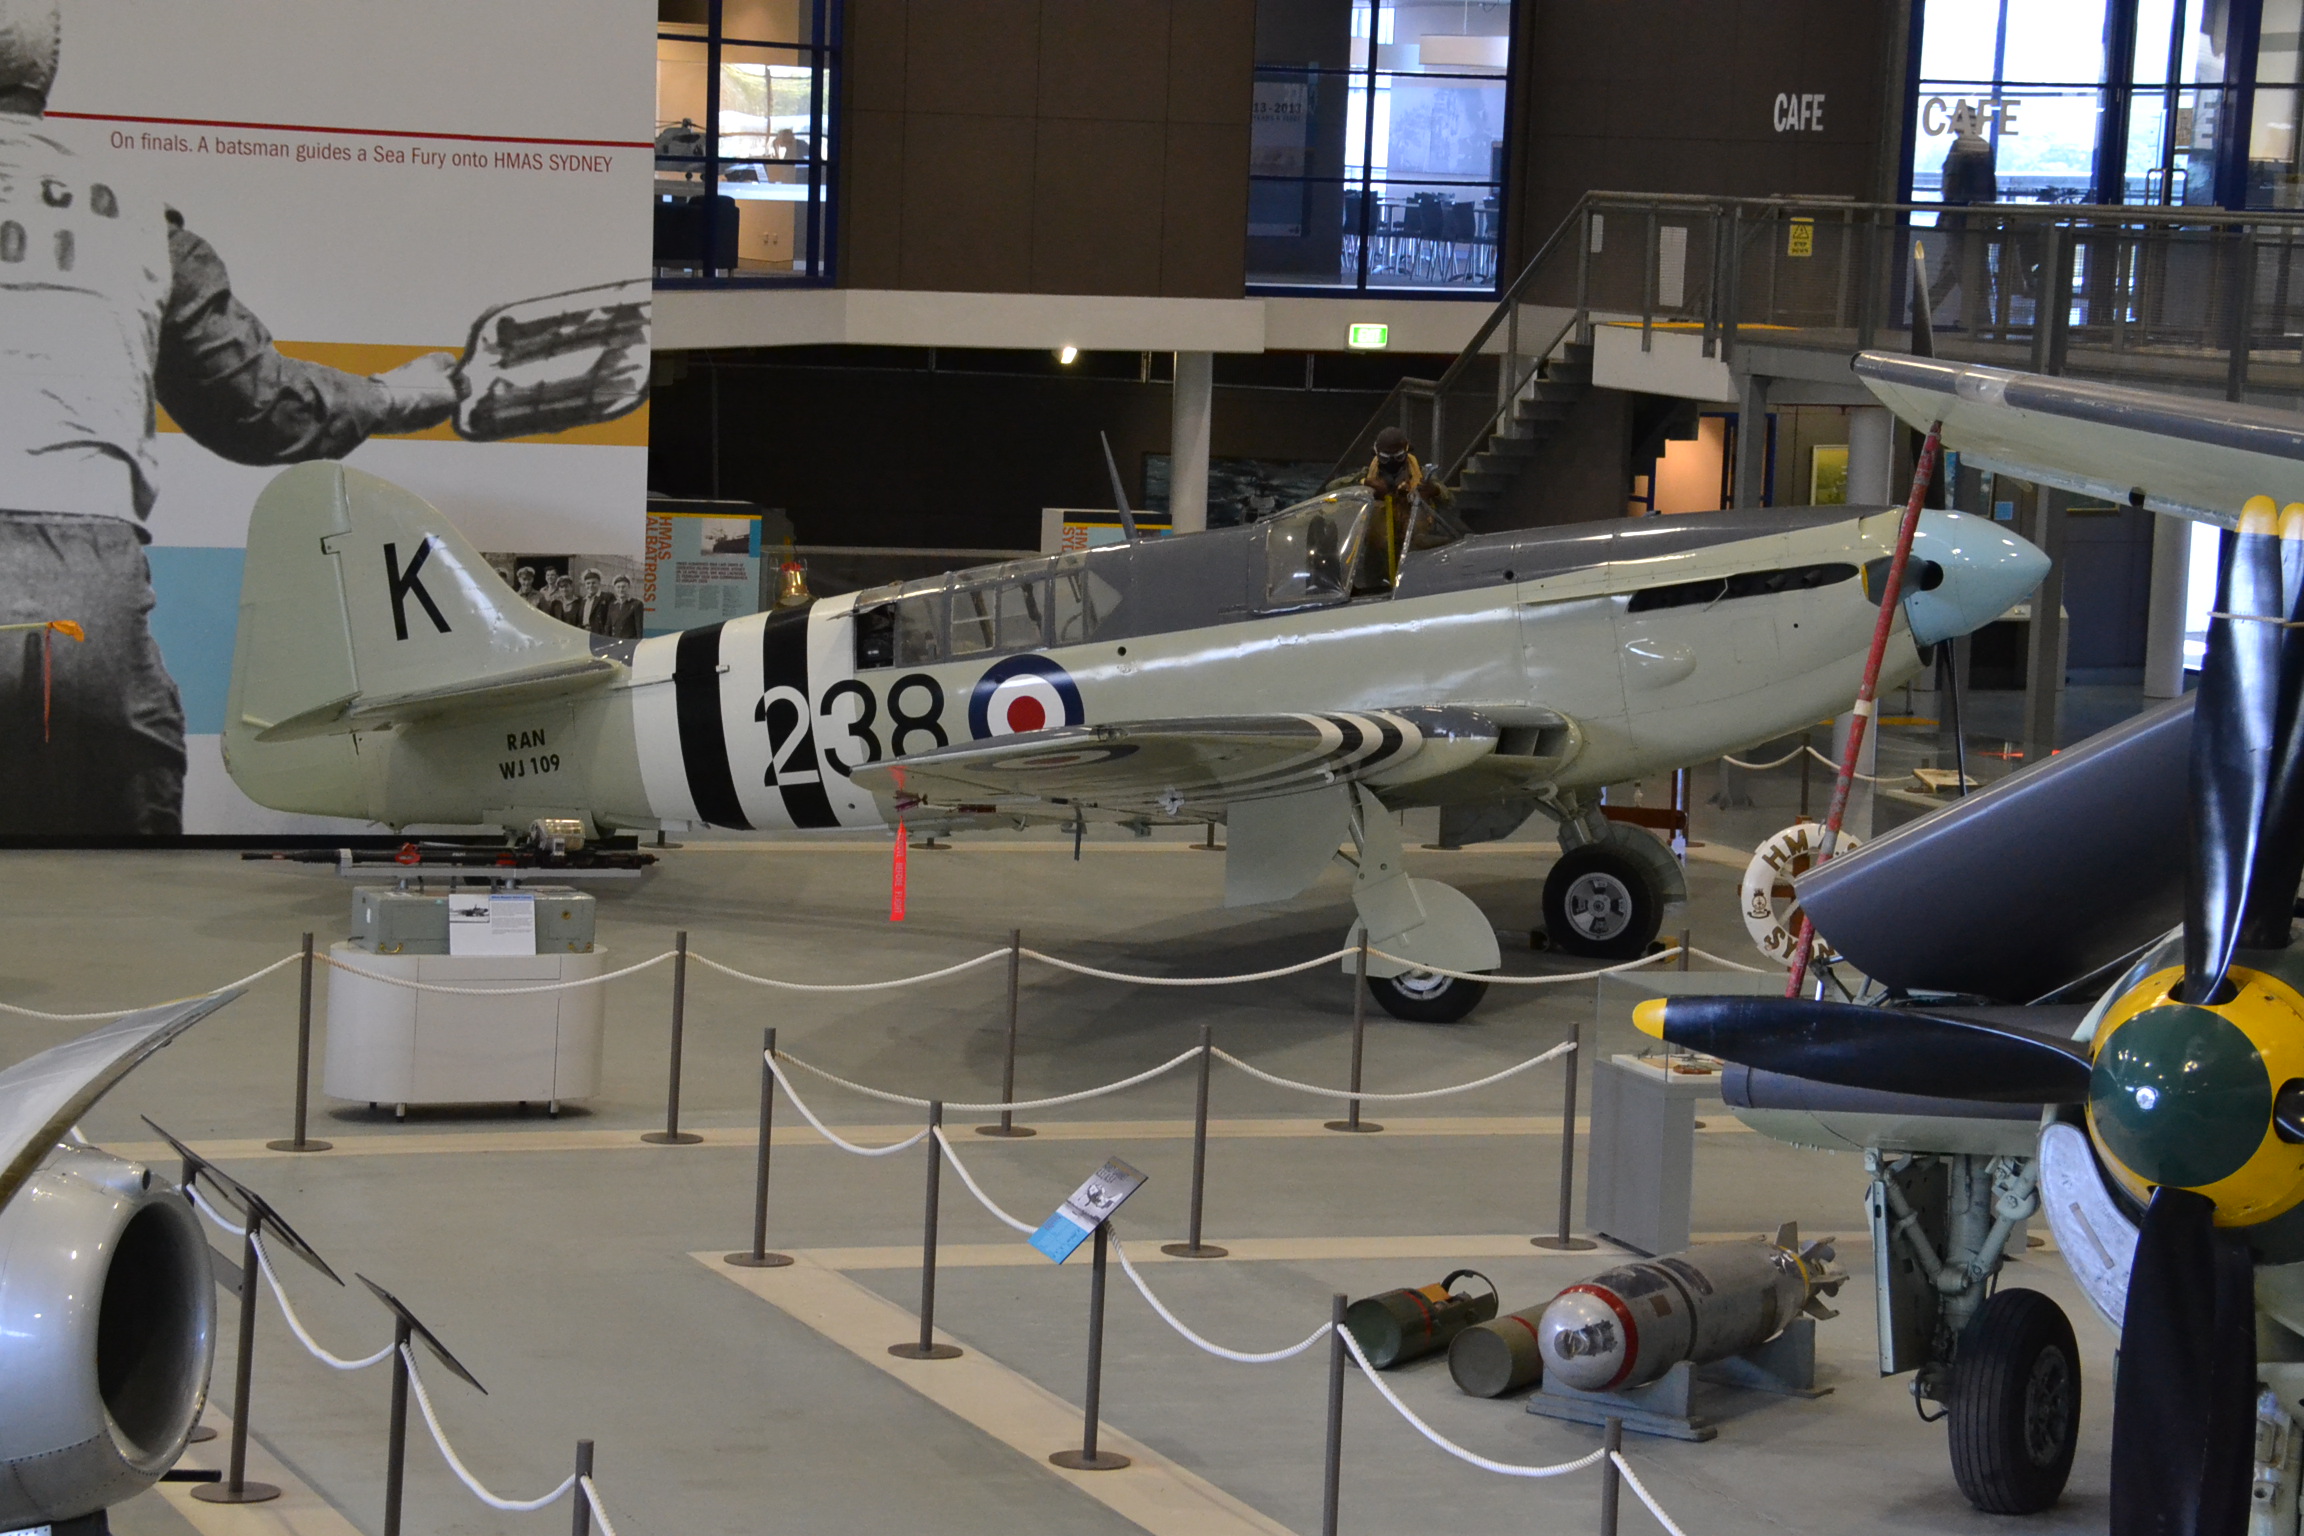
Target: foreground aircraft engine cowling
2189,1080
107,1324
107,1300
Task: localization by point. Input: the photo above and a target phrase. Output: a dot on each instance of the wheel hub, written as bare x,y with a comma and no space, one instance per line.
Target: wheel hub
1598,905
2047,1407
1422,985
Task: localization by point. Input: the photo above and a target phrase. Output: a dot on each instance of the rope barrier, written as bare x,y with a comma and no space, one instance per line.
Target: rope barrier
1185,981
1176,1323
828,1133
456,1465
200,1203
600,1511
1671,1526
296,1324
550,986
1049,1103
121,1013
1562,1049
1420,968
977,1189
1737,762
1507,1468
1733,965
985,958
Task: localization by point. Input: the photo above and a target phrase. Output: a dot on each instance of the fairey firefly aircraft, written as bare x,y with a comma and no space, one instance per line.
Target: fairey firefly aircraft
2091,979
1255,676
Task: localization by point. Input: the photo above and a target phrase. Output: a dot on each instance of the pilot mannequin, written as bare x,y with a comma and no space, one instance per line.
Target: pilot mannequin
1399,483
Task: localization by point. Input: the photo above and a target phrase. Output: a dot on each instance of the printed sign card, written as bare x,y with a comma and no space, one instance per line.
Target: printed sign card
483,924
1076,1220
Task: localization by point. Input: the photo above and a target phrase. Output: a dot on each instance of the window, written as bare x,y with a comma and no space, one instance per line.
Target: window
1376,144
1310,552
743,149
1084,600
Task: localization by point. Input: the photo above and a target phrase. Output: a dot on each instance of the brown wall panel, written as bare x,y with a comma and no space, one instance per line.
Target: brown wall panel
1204,216
874,50
972,56
872,214
1211,61
967,203
1096,202
1106,60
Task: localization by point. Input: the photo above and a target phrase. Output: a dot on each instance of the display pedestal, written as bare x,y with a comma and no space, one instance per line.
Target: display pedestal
1685,1402
393,1045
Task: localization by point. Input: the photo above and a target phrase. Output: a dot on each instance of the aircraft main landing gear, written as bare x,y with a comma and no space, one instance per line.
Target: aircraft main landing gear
1605,900
2013,1407
1423,997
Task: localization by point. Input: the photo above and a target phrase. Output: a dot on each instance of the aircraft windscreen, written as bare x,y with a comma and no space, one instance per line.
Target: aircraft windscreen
1311,549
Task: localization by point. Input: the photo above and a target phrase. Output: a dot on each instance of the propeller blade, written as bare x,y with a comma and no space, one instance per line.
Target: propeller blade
1923,316
1897,1050
1119,494
2184,1401
2280,846
2232,741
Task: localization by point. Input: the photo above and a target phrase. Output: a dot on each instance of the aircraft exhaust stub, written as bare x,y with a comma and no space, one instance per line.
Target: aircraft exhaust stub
1627,1326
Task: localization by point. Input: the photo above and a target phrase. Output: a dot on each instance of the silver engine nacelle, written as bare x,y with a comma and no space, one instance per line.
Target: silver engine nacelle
107,1331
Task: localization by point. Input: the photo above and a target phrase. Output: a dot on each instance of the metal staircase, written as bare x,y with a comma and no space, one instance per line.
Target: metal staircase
1492,470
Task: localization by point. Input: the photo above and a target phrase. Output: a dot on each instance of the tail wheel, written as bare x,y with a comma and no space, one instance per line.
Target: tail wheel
1601,902
1423,997
2014,1405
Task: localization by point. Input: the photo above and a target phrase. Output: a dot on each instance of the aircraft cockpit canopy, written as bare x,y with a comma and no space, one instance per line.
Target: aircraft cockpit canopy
1319,551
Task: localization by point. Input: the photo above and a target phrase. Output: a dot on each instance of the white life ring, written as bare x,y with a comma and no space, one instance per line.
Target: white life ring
1771,910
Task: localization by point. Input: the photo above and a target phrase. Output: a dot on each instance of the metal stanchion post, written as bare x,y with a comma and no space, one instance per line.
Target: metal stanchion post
760,1257
582,1524
1352,1120
236,1489
1332,1487
396,1442
1684,936
1611,1480
1008,1125
1192,1247
672,1135
1561,1239
926,1347
1088,1458
300,1143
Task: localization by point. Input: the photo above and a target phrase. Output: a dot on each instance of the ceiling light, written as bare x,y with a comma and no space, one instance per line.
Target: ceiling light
1067,354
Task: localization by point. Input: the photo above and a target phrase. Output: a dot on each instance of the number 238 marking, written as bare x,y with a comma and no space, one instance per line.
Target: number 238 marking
782,710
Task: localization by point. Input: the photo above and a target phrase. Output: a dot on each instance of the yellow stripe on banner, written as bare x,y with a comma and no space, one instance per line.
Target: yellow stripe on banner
369,358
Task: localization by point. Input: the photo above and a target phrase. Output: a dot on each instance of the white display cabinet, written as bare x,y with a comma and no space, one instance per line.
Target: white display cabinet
394,1045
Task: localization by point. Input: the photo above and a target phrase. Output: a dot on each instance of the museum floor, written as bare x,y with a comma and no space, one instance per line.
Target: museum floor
559,1257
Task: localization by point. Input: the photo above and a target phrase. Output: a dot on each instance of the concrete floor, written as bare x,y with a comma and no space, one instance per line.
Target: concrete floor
558,1266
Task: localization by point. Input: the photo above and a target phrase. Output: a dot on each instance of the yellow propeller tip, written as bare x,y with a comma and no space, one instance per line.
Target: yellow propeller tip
2292,520
1648,1017
67,628
2259,514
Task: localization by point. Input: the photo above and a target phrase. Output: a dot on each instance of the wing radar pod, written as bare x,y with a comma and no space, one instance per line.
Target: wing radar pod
1627,1326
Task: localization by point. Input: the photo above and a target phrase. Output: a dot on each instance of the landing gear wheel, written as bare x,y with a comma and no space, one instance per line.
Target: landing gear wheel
2014,1404
1601,902
1421,997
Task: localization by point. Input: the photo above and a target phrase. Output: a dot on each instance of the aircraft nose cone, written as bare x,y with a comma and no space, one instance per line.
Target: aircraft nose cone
1986,570
2180,1096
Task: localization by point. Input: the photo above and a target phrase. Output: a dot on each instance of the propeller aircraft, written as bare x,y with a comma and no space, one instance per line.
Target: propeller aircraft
1273,677
2140,1084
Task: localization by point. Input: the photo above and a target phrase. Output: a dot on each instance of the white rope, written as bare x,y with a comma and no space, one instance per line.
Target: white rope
1451,1447
200,1202
549,986
464,1473
1174,1322
121,1013
296,1324
1514,1070
1885,778
1778,762
1185,981
977,1189
1144,1076
599,1510
1421,969
1705,954
1671,1526
851,986
827,1132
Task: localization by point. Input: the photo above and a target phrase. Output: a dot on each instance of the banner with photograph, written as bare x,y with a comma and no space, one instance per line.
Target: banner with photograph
703,567
236,237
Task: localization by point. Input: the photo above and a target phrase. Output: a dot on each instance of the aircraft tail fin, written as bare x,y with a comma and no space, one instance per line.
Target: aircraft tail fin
360,604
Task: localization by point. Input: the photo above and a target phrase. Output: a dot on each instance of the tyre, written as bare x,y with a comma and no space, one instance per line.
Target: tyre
1420,997
2013,1408
1601,902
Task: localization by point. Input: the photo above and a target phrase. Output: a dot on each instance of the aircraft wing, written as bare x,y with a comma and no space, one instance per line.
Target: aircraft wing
1185,768
2192,457
43,1096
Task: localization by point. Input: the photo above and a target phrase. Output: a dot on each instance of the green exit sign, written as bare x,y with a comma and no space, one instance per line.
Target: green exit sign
1367,336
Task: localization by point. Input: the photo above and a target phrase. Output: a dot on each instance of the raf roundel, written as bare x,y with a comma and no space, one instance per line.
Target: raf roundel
1023,693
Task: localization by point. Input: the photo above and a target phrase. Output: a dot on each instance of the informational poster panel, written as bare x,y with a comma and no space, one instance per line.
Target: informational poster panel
1068,528
702,568
404,236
